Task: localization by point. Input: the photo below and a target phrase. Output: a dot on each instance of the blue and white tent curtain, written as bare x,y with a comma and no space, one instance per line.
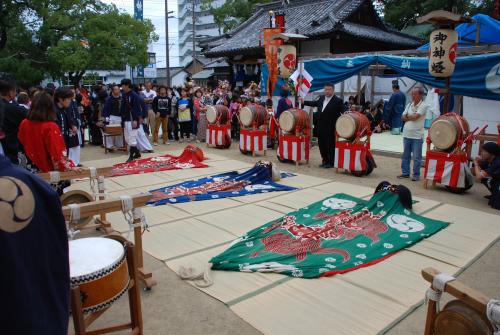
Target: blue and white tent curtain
474,76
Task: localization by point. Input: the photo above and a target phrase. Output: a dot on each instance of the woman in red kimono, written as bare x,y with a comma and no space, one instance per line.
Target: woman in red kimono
42,139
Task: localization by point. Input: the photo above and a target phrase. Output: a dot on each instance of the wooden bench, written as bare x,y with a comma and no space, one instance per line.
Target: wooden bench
115,205
111,131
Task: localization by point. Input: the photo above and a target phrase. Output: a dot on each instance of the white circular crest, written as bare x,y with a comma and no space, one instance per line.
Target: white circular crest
337,203
404,223
492,80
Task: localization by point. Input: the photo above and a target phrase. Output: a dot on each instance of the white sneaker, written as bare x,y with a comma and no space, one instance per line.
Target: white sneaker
155,144
181,140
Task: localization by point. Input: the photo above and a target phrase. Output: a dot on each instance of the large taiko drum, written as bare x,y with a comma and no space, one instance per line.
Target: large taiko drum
352,124
458,318
98,265
218,113
253,113
447,130
294,119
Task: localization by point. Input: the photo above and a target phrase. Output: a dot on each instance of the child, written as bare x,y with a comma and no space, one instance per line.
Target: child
184,113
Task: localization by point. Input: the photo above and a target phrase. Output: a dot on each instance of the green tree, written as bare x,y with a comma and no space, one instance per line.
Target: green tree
232,12
67,37
403,13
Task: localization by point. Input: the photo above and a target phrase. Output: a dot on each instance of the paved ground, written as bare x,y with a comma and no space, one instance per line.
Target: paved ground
175,307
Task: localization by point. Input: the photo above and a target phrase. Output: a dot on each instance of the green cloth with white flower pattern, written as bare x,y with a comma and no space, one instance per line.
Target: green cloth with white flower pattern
338,234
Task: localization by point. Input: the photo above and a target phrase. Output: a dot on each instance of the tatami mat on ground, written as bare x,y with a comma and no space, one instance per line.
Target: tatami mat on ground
364,301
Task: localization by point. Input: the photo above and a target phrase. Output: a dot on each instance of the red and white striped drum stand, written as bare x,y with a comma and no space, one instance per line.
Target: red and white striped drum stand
294,148
447,169
253,140
219,135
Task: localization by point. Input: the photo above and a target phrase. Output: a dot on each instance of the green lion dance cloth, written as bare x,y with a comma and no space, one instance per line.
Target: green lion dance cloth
335,235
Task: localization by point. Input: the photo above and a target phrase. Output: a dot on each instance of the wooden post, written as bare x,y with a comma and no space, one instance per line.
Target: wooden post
478,33
359,89
447,96
145,277
134,295
76,310
342,89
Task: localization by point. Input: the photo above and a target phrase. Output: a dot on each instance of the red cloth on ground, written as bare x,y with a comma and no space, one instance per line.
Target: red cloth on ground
44,145
189,158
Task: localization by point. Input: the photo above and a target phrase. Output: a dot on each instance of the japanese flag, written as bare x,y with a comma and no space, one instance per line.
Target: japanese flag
306,81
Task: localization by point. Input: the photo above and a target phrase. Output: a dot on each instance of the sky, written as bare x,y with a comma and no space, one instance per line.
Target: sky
155,11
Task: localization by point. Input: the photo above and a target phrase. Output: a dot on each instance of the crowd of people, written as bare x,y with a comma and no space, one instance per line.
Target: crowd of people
43,129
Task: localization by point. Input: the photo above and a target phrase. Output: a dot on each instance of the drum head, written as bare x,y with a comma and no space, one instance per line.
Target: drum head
346,126
90,255
77,197
287,121
457,318
443,134
246,116
211,114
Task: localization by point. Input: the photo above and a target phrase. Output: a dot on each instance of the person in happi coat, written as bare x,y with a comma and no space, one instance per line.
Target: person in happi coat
284,103
132,117
75,122
113,116
35,280
43,142
13,116
63,97
143,143
395,108
487,171
330,107
200,110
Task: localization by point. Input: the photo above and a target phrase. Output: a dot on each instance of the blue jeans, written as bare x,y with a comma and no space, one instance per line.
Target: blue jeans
412,147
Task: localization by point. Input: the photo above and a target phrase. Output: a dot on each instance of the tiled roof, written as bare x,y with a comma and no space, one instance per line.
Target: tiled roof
299,15
219,62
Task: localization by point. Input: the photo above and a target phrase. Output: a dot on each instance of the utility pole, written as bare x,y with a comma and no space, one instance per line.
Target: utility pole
193,5
167,43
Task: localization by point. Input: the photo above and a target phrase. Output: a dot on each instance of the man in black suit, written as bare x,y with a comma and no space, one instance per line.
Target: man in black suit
330,108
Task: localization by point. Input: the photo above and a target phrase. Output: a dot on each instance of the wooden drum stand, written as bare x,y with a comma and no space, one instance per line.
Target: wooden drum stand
81,323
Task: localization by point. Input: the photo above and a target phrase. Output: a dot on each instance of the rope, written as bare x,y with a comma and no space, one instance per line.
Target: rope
493,314
435,292
139,215
127,206
201,278
55,177
74,216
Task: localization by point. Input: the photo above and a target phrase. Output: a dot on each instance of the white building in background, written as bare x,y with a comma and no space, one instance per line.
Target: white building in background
204,26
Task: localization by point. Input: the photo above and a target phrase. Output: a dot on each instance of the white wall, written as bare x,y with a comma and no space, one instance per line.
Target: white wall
481,112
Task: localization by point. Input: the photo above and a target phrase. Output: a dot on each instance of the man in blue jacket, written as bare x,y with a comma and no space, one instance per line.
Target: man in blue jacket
395,109
131,116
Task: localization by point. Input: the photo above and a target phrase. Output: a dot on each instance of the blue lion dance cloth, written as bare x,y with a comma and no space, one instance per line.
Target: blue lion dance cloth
232,184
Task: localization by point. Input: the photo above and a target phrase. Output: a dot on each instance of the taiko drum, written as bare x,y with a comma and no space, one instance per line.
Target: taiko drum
294,120
447,130
218,114
253,114
352,125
